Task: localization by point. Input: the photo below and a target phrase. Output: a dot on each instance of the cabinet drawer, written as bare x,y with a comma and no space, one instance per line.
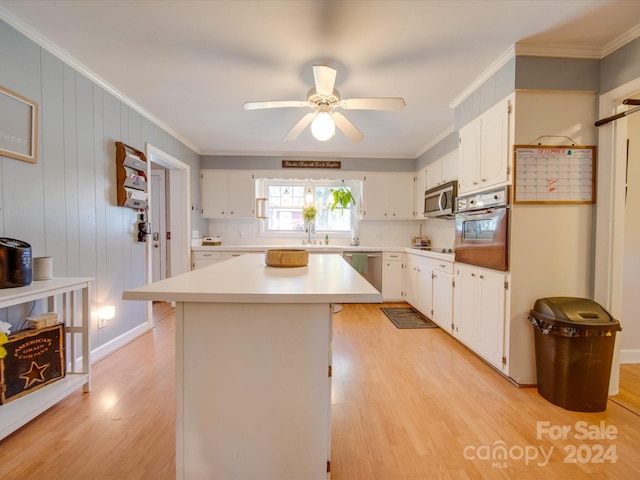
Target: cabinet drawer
441,265
393,256
207,255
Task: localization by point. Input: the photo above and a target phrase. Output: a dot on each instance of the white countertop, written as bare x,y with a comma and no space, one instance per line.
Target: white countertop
311,248
326,248
247,279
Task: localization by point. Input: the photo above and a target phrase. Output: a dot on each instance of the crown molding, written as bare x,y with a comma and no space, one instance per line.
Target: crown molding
557,50
52,48
484,76
621,41
436,140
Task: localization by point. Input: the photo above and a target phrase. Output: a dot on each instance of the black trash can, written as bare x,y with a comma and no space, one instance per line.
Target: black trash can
574,339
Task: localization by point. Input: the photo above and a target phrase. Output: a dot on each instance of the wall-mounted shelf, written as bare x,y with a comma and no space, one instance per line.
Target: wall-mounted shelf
131,177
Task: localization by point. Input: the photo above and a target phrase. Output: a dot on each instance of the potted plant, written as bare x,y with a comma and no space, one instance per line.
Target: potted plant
342,198
309,213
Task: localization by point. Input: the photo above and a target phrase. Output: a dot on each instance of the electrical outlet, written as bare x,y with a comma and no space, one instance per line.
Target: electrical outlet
102,322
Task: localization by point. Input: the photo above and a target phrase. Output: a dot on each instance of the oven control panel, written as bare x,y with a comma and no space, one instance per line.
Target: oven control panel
496,197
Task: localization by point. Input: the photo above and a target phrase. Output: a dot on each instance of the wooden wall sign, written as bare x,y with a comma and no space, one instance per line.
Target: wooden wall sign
311,164
18,126
34,359
554,174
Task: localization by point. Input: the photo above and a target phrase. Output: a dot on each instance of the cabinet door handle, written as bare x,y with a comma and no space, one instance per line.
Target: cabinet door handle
442,266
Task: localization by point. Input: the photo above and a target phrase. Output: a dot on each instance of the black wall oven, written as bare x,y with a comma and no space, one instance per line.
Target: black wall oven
482,229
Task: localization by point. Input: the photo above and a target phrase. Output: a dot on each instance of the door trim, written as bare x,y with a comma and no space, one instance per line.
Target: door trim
609,233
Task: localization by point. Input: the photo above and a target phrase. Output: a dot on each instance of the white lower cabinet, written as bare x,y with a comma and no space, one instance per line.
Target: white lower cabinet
203,258
418,284
392,277
429,288
442,299
479,311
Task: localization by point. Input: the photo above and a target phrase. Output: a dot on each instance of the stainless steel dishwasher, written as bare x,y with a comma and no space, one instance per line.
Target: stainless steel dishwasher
373,273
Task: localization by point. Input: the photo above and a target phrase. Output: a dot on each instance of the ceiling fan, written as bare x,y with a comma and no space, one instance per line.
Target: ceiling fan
324,99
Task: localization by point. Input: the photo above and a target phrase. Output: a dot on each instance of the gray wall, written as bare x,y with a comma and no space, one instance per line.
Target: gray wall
543,73
498,86
444,146
64,205
275,163
620,67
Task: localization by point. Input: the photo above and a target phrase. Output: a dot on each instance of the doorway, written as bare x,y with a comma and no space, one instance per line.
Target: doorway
175,210
612,284
158,227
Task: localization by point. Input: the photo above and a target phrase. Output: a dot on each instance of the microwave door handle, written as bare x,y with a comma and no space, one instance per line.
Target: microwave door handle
440,206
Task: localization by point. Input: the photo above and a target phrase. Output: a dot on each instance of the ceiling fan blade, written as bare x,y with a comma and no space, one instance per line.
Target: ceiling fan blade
299,127
383,103
274,104
347,127
325,78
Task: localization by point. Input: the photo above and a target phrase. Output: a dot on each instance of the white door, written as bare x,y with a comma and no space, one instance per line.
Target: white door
158,237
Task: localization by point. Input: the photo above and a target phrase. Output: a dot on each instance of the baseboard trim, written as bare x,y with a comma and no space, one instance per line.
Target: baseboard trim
629,356
117,343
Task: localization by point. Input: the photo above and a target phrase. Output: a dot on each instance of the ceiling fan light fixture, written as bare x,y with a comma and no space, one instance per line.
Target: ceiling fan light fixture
323,126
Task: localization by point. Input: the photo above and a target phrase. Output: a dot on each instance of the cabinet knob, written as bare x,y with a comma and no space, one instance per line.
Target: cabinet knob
485,179
482,276
473,274
475,183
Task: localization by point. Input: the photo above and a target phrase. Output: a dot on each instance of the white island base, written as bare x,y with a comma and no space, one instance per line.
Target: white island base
253,365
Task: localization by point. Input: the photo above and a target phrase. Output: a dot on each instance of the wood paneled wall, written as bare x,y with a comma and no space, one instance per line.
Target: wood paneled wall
65,204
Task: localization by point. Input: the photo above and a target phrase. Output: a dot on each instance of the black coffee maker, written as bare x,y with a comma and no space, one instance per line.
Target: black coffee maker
15,263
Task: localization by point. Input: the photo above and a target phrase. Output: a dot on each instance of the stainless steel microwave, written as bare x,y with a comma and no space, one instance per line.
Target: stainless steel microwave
440,201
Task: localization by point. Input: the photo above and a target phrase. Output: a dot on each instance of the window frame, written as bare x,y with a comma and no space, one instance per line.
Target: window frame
354,185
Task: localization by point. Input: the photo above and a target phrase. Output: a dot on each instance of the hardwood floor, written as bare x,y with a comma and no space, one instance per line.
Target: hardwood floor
629,394
407,404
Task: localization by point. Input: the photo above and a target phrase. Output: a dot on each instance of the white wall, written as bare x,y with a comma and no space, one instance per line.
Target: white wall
371,233
630,319
65,204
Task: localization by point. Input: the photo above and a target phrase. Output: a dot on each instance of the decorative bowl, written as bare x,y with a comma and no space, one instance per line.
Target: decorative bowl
286,257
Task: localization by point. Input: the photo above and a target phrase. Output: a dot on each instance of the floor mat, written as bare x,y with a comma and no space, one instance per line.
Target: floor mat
407,317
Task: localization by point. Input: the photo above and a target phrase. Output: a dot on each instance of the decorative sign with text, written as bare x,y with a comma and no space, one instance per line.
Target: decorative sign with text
311,164
554,174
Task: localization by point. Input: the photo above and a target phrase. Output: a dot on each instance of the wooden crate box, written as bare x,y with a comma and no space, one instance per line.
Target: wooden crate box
34,359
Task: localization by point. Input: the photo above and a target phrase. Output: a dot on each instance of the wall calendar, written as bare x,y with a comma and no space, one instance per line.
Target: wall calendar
554,174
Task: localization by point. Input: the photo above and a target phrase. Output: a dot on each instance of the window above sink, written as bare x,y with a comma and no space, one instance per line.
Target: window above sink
286,199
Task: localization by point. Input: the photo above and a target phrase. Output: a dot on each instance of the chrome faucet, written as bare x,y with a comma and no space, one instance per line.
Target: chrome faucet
311,228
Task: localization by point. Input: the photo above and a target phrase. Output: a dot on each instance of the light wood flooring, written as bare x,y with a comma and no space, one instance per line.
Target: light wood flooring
407,404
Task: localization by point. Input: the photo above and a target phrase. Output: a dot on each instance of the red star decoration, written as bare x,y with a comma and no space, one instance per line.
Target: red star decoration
35,374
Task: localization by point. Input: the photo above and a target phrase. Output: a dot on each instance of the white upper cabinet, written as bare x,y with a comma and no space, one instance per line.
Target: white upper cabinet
485,148
227,194
421,186
443,170
389,196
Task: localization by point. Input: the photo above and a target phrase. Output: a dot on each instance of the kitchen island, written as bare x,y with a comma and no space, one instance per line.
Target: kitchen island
253,365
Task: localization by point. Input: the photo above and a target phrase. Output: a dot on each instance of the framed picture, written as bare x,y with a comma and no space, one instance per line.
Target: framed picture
18,126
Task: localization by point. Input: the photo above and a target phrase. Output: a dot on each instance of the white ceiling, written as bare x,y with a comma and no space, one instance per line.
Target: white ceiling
190,65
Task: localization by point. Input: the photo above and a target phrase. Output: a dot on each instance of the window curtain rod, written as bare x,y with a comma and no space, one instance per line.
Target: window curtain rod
628,101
